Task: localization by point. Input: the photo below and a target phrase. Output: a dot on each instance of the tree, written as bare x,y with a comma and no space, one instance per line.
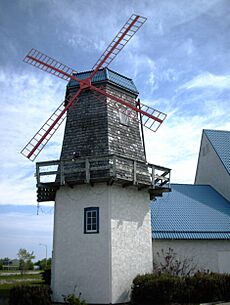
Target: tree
43,263
4,261
168,262
25,260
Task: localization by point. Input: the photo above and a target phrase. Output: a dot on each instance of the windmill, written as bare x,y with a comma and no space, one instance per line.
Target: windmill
102,182
150,118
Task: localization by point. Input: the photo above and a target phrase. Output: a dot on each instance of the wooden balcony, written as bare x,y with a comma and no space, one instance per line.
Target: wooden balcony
110,169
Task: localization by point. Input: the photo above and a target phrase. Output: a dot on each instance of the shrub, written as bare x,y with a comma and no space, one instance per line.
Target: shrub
208,287
159,289
165,288
46,276
71,299
30,295
168,261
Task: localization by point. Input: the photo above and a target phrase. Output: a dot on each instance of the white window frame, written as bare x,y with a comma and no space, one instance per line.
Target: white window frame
124,117
91,220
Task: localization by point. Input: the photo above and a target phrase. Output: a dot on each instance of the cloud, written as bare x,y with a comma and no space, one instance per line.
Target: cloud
166,59
25,230
31,101
176,143
208,80
173,14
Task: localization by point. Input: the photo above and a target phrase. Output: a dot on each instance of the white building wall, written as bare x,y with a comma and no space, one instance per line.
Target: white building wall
81,260
210,169
224,261
131,239
101,266
204,253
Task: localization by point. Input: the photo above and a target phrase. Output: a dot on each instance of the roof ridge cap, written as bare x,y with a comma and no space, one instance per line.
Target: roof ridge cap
216,130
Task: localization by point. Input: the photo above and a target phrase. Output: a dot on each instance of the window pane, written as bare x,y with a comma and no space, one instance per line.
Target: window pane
124,119
91,220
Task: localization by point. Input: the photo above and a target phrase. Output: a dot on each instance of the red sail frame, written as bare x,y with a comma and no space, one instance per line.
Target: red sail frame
131,26
50,65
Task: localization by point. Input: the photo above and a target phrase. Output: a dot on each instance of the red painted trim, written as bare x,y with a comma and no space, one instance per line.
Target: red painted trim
114,47
56,69
126,104
54,123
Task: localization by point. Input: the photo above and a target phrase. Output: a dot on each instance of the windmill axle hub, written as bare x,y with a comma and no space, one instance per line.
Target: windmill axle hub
86,83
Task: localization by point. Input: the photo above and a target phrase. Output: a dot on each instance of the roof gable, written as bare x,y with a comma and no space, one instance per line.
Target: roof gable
220,141
191,212
106,75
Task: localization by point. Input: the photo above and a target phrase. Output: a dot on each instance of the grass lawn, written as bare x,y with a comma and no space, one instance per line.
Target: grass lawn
9,279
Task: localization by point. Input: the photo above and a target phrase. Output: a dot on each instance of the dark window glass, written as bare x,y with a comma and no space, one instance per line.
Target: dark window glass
91,220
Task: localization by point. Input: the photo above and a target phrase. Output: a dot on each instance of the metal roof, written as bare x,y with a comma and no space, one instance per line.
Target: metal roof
107,75
191,212
220,141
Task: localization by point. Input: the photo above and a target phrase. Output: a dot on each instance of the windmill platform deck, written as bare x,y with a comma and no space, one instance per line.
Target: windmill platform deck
104,169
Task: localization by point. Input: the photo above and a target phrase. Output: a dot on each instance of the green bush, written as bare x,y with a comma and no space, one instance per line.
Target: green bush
205,287
159,289
164,288
30,295
46,276
71,299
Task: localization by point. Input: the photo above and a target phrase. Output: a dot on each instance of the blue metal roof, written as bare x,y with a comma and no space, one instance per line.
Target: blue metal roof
107,75
220,141
191,212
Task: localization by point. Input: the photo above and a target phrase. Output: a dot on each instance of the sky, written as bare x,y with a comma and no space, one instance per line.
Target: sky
179,61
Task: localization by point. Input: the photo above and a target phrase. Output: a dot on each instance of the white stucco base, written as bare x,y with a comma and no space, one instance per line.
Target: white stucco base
100,266
212,255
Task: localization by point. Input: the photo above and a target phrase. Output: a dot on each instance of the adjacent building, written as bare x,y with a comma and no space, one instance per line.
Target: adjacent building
194,219
213,166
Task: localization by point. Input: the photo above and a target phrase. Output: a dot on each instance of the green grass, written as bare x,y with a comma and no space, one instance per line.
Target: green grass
9,271
20,277
11,280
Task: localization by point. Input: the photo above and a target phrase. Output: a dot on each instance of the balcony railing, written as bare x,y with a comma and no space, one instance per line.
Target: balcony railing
110,168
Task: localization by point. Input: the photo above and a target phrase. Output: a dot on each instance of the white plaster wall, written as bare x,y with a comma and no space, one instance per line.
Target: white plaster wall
131,239
81,260
210,169
205,253
224,261
101,266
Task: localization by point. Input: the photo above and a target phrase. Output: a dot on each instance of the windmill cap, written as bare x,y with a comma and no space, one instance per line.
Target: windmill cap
106,74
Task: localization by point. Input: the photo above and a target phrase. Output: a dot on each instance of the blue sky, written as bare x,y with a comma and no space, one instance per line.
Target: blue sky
179,61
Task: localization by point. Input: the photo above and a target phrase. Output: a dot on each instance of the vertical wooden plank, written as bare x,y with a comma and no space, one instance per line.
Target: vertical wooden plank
169,178
62,174
134,171
87,172
38,173
153,176
114,165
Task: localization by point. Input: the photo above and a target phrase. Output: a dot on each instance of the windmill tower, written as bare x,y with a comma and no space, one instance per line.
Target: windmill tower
102,183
